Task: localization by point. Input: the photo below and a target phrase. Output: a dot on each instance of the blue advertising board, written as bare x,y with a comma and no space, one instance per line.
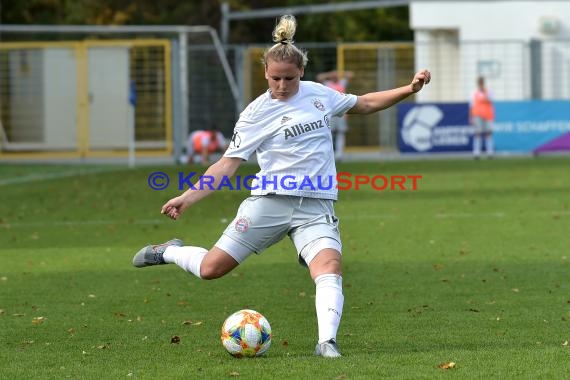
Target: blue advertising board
520,126
531,126
437,127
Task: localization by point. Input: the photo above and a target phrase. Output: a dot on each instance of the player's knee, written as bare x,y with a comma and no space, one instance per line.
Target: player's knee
331,263
326,262
210,273
216,265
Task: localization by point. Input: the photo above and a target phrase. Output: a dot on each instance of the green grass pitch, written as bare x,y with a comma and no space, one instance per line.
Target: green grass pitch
471,268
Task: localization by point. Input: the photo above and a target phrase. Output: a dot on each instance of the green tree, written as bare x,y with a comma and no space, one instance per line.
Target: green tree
366,25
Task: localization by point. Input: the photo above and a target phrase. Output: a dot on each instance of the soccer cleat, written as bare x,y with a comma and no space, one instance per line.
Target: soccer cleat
152,254
327,349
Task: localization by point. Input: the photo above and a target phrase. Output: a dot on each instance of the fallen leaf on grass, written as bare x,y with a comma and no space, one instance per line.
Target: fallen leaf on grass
175,339
234,373
447,365
190,323
565,344
516,290
104,346
38,320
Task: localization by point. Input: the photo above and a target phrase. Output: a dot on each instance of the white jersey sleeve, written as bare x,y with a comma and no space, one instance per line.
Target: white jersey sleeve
248,131
341,102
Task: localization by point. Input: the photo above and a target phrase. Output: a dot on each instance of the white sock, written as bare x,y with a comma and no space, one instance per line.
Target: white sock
476,145
328,302
489,145
188,258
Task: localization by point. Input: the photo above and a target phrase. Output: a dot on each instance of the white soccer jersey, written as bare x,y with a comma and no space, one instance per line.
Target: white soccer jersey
292,140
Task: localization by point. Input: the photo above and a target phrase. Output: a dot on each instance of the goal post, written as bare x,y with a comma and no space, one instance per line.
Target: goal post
110,92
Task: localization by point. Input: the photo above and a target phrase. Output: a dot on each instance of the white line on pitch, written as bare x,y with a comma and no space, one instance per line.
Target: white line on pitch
50,176
457,215
72,223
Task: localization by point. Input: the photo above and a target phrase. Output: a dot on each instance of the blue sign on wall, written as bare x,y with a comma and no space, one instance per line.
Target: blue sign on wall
527,126
520,126
437,127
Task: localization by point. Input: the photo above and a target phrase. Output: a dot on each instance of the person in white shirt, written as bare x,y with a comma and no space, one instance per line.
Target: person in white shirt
288,127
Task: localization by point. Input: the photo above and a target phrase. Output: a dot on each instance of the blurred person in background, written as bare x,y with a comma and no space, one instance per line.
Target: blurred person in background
337,80
481,117
202,143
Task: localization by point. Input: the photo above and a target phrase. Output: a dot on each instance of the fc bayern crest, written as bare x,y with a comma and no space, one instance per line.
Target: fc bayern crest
242,224
318,105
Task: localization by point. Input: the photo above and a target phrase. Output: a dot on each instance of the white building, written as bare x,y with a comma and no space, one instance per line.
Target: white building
522,48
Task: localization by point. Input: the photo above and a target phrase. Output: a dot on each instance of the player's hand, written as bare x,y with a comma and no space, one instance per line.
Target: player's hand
421,78
174,208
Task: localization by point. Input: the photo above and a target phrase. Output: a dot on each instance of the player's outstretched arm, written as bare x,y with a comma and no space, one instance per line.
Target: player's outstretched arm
224,168
377,101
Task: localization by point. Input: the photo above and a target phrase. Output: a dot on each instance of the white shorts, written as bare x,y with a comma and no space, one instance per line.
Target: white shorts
264,220
482,126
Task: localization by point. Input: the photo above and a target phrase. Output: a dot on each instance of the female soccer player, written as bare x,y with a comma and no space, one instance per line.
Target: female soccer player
288,128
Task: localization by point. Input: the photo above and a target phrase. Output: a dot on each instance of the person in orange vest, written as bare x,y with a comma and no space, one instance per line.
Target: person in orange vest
481,117
202,143
337,81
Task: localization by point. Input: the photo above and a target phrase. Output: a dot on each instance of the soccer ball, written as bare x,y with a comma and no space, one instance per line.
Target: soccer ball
246,333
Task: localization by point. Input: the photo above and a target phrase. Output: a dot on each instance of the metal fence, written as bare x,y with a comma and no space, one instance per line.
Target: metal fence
73,97
93,91
514,70
66,91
